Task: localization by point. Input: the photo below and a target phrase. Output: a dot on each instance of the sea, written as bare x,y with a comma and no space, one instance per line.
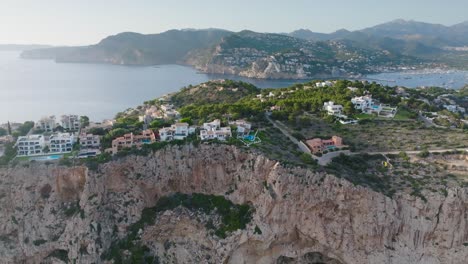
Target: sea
31,89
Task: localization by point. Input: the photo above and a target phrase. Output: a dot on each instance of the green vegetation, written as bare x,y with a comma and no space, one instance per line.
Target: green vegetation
39,242
8,155
24,129
226,91
84,121
362,170
60,254
233,217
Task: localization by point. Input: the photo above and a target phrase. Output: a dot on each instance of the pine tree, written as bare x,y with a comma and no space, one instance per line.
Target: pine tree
9,128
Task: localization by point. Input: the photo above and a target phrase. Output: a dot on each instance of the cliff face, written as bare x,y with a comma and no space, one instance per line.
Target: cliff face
49,213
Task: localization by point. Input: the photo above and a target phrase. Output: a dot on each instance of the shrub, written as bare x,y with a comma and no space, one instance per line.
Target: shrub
60,254
39,242
45,191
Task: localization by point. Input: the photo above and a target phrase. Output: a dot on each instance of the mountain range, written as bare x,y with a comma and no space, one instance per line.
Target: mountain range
299,54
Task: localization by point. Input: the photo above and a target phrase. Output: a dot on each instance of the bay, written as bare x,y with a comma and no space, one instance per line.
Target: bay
31,89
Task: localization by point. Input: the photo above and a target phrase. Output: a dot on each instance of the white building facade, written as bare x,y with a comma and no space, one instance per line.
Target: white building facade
332,108
178,131
90,141
70,122
30,145
47,124
213,130
61,143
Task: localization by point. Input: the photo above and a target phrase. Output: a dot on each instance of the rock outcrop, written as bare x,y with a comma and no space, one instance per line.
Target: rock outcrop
53,214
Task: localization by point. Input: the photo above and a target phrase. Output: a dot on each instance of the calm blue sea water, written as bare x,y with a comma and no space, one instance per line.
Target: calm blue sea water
30,89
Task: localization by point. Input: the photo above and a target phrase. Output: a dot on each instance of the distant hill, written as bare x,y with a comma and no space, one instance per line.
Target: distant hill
218,91
265,55
300,54
135,49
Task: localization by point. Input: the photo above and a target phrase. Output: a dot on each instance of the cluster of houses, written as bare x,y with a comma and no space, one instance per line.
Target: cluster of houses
166,111
67,122
180,131
366,104
455,108
52,141
35,145
449,104
57,143
130,140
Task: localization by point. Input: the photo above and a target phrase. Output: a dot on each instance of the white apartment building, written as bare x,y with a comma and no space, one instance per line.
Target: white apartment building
215,124
177,131
362,102
47,124
332,108
169,111
61,142
70,122
243,127
213,130
90,141
30,145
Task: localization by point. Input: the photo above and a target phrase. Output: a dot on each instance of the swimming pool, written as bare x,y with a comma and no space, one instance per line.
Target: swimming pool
250,137
45,158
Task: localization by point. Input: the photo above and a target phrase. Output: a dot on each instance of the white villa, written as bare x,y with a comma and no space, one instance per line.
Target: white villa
243,127
332,108
366,104
30,145
48,124
177,131
70,122
455,108
324,84
61,142
169,111
151,113
213,130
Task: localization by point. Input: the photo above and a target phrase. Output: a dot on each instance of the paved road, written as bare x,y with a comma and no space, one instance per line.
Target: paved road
327,158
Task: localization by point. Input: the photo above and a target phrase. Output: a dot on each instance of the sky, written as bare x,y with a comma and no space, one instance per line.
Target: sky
83,22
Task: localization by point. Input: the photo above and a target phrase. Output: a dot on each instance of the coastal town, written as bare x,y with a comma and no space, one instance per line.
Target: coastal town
162,121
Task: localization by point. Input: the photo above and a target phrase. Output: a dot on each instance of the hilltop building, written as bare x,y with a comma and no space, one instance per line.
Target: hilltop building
366,104
332,108
70,122
213,130
47,124
243,127
318,145
61,143
130,140
178,131
89,141
30,145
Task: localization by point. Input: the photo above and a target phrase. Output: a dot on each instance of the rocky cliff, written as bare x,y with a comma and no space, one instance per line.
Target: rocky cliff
53,214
